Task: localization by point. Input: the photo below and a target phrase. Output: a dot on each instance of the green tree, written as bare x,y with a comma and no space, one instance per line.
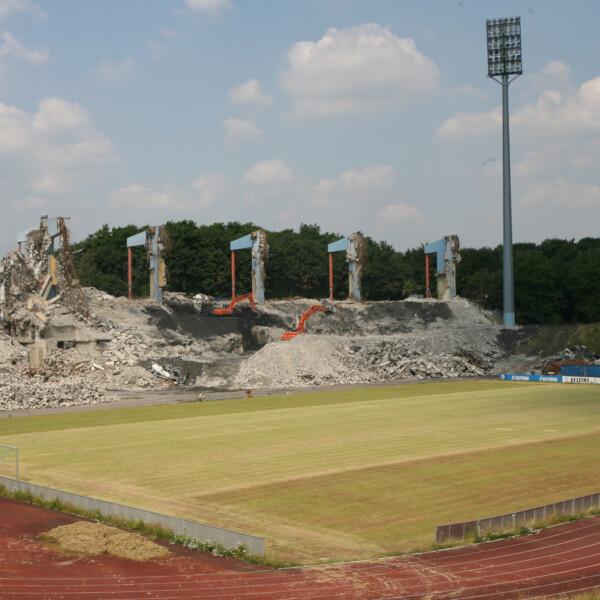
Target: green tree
555,281
101,261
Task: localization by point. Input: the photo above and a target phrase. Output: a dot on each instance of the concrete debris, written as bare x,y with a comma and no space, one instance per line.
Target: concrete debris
36,392
168,373
51,355
579,353
201,299
310,360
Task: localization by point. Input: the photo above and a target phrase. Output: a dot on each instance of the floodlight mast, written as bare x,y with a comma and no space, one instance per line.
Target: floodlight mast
504,59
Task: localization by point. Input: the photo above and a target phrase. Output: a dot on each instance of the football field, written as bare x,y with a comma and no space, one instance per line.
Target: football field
329,476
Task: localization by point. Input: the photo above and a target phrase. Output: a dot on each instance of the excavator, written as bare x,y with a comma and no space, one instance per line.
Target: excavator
229,309
288,335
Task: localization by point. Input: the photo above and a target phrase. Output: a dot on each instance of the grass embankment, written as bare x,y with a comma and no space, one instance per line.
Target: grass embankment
331,475
552,339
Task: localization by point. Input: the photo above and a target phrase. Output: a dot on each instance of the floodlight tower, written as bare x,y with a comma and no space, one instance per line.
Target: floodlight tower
504,60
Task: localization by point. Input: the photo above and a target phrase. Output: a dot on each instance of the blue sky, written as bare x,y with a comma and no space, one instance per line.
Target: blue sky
370,115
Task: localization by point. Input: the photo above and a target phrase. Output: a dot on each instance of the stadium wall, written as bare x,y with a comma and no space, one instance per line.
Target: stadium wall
197,531
511,521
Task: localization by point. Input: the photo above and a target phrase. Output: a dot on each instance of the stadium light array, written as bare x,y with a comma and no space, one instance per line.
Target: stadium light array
504,60
504,46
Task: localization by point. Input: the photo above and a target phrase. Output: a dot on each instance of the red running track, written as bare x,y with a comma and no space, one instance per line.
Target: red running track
562,559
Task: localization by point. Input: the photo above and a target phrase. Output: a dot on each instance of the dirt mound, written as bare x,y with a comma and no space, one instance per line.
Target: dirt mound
94,539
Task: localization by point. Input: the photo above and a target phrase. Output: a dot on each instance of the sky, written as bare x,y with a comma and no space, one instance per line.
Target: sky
357,115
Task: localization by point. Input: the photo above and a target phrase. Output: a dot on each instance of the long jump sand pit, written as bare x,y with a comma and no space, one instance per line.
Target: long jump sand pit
95,539
562,559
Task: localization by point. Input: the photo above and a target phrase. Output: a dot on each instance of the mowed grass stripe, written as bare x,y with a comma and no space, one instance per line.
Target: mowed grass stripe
412,498
164,413
296,444
230,449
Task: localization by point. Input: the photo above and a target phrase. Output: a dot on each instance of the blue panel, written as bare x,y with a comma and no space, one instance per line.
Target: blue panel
547,378
241,243
338,246
139,239
580,370
22,235
52,226
439,248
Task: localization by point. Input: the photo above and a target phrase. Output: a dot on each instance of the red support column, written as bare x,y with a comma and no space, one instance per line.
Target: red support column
129,274
427,292
232,274
331,276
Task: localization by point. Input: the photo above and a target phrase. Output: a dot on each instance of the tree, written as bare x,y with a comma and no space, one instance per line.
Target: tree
101,261
555,281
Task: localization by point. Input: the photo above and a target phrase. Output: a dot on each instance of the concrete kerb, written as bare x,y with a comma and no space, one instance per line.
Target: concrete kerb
197,531
509,522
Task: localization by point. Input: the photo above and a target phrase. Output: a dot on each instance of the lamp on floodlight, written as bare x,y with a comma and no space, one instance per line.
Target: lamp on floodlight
504,61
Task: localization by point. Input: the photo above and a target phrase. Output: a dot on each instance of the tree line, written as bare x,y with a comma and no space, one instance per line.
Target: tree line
555,281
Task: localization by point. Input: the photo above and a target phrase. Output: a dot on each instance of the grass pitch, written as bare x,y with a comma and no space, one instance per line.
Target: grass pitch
331,475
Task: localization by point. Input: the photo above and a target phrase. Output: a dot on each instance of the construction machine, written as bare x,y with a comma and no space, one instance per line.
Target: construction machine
288,335
229,309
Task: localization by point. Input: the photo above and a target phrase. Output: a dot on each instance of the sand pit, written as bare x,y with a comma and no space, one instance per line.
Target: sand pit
95,539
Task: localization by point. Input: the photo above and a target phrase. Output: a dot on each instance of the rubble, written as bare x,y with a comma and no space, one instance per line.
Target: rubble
311,360
33,392
578,355
55,352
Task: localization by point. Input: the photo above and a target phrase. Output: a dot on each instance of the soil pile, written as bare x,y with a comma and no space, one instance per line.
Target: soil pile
83,537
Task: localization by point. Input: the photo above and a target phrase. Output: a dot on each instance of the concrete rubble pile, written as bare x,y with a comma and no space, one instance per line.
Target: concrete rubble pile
31,393
378,342
311,360
51,342
389,360
53,354
578,353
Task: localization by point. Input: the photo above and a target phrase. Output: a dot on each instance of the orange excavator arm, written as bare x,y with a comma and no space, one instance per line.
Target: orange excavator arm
288,335
229,309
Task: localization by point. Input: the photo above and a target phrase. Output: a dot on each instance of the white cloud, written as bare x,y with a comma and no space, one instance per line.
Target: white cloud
353,183
402,212
556,75
7,7
556,113
249,93
154,202
115,71
170,33
211,189
157,51
364,68
241,130
471,124
52,151
12,49
212,7
268,172
556,159
59,116
470,92
380,176
562,193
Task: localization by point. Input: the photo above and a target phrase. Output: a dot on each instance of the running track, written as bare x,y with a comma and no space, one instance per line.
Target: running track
558,560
